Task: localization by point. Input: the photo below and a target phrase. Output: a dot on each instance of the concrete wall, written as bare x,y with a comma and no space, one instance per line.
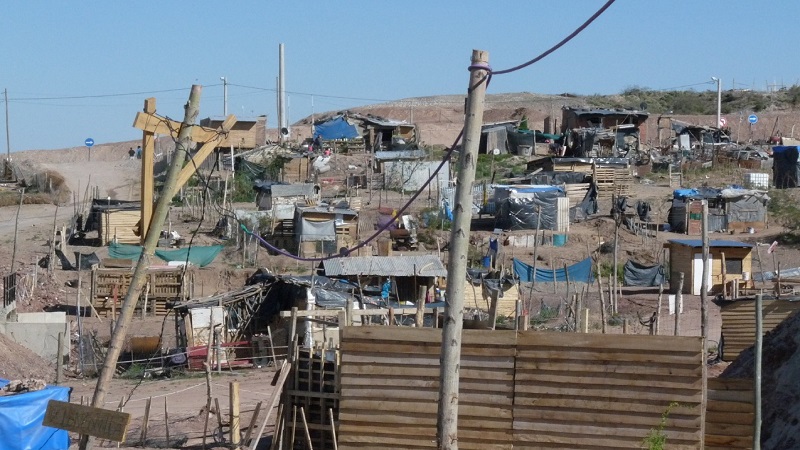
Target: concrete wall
39,332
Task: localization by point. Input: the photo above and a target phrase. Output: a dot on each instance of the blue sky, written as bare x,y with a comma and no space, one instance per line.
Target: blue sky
352,53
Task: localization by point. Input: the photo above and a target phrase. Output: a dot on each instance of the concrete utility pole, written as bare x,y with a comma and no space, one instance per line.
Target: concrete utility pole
447,418
192,109
224,96
8,138
281,97
719,100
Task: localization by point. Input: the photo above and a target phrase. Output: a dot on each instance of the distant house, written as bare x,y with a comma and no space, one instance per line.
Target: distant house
686,255
730,209
324,229
602,132
408,170
246,134
376,133
281,198
687,136
412,275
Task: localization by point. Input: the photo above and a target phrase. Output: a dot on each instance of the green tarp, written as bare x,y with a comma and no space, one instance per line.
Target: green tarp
199,256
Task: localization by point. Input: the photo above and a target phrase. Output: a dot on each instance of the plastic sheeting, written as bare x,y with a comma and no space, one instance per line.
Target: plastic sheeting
558,178
316,231
21,417
517,207
786,166
336,128
636,274
578,272
197,255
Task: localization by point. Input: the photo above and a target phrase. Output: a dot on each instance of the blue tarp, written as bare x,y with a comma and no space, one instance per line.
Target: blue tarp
198,255
580,272
21,417
336,128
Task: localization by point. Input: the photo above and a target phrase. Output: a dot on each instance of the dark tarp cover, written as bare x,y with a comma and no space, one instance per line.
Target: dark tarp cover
587,207
636,274
520,213
785,166
579,272
198,255
558,178
86,260
21,417
336,128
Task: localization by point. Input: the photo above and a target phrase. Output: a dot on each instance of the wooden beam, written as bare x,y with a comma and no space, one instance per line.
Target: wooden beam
188,170
148,156
150,122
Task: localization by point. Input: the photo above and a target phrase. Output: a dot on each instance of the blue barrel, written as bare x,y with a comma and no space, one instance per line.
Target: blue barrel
487,261
559,240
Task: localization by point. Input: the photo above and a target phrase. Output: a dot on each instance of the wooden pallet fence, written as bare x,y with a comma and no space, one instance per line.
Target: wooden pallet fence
739,323
729,414
166,285
606,391
390,386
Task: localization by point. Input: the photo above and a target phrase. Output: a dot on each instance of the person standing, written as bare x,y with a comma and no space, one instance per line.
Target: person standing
131,153
138,152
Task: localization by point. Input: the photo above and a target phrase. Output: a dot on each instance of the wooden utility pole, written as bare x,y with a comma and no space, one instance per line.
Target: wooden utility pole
16,227
192,109
757,349
447,417
148,157
704,317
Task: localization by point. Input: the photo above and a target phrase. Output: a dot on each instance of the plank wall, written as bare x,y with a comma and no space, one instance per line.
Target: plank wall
605,391
729,414
390,388
739,323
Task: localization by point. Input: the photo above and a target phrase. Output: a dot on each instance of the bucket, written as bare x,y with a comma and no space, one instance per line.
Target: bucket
487,261
559,240
746,276
525,150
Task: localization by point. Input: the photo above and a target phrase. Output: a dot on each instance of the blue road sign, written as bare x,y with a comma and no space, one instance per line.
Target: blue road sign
752,118
89,142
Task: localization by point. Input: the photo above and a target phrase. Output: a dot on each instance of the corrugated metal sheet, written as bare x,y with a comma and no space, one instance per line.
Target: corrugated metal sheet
399,266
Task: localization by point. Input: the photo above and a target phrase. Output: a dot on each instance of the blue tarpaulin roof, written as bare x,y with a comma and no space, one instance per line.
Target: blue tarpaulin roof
336,128
711,243
21,417
580,272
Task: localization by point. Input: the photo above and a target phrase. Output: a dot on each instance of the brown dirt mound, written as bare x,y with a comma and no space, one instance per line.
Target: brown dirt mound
780,369
17,362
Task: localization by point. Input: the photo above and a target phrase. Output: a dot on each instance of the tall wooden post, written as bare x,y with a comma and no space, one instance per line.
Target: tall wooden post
678,303
447,417
757,348
148,157
234,409
192,109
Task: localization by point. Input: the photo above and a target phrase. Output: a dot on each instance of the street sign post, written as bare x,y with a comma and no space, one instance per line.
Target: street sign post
752,118
89,142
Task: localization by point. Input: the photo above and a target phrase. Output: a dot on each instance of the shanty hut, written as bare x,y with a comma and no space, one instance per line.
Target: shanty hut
686,255
376,133
523,207
602,132
731,209
408,169
246,134
114,221
414,276
280,198
324,229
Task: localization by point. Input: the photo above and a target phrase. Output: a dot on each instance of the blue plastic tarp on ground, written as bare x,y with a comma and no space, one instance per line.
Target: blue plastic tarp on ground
198,255
337,128
21,417
579,272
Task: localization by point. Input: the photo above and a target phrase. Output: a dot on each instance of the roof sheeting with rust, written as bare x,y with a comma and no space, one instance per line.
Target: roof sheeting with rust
398,266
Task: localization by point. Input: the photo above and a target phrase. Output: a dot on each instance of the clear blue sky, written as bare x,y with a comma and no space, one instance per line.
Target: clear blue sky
352,53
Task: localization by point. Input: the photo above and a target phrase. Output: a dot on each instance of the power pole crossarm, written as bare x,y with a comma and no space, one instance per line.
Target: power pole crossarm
447,418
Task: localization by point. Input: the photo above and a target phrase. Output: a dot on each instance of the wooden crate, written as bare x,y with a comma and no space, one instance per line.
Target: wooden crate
163,286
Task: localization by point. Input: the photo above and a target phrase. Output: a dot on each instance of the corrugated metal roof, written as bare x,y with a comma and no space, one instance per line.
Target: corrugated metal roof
400,154
398,266
711,243
292,190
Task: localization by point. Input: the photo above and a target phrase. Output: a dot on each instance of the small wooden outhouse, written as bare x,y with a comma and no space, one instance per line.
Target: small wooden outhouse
686,255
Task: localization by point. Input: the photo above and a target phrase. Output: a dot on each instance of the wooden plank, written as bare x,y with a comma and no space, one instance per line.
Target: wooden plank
98,422
669,344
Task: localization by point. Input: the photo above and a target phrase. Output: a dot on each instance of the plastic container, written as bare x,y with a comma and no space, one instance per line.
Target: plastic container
525,150
487,261
559,240
746,276
757,180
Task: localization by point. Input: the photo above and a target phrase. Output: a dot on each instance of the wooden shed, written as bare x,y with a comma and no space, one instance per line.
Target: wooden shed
739,322
686,255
